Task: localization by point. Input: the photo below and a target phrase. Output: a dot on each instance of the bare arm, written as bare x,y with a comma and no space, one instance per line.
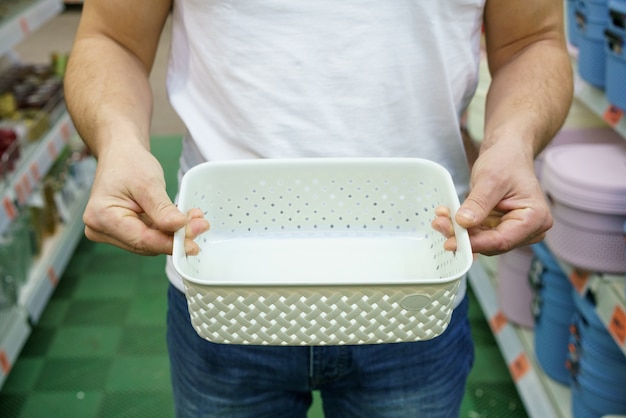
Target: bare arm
110,100
528,100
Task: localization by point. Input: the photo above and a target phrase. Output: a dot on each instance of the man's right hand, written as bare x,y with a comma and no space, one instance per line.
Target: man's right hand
129,206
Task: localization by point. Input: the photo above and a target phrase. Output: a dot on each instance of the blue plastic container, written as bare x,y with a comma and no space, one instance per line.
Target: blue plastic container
592,330
580,409
615,82
543,254
572,32
605,403
591,48
594,9
552,332
612,383
546,274
617,16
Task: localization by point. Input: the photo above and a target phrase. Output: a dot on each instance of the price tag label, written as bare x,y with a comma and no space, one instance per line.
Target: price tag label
579,279
66,132
34,172
613,115
24,26
498,322
52,151
9,208
617,325
52,276
5,364
519,367
20,191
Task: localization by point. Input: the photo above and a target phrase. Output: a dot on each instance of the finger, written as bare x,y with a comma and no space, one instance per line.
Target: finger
513,231
165,216
450,244
196,224
442,211
444,226
133,235
478,205
442,222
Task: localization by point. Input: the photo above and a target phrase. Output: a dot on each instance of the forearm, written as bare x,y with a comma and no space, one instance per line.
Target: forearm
110,100
529,97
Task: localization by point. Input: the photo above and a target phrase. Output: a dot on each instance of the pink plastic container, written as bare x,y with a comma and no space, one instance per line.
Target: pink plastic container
586,188
567,136
515,295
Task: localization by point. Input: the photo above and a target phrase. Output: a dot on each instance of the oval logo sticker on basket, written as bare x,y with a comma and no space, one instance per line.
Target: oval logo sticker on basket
415,302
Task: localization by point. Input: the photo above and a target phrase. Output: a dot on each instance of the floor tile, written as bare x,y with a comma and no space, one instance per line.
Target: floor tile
38,342
97,312
104,285
62,405
148,310
157,404
143,340
73,374
23,376
141,372
85,341
11,405
54,312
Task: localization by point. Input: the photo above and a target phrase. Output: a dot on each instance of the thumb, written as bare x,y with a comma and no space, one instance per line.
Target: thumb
165,216
478,205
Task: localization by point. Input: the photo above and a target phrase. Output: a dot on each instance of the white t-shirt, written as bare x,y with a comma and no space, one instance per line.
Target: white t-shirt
324,78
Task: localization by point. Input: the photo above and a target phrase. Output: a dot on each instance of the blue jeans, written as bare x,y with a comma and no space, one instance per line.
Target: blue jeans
418,379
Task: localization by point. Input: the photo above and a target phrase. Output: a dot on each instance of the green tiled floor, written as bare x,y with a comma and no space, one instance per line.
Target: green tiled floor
99,347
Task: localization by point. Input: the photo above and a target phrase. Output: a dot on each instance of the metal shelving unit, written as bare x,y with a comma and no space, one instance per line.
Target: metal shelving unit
26,20
36,160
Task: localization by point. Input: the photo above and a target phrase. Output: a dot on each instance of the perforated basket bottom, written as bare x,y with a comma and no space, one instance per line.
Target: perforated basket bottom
320,315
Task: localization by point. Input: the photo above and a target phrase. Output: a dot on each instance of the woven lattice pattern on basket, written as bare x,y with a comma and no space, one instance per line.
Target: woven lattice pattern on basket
318,316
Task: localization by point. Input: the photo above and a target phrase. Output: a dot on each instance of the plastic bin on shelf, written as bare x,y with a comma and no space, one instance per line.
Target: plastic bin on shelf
321,251
515,294
617,16
615,88
554,309
594,9
572,31
586,189
591,21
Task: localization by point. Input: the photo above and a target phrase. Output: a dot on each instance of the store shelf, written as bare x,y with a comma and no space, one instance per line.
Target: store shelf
55,255
543,397
37,160
26,20
14,331
596,101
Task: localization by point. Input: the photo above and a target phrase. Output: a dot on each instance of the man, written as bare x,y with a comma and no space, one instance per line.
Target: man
289,78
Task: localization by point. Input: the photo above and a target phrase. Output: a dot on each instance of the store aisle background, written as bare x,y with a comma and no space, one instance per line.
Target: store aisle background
99,347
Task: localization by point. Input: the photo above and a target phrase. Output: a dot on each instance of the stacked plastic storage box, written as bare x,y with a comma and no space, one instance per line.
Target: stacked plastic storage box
592,18
515,294
572,31
615,88
586,186
598,366
554,309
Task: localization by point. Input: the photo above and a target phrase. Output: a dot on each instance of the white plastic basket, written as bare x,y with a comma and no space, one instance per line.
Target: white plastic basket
320,251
